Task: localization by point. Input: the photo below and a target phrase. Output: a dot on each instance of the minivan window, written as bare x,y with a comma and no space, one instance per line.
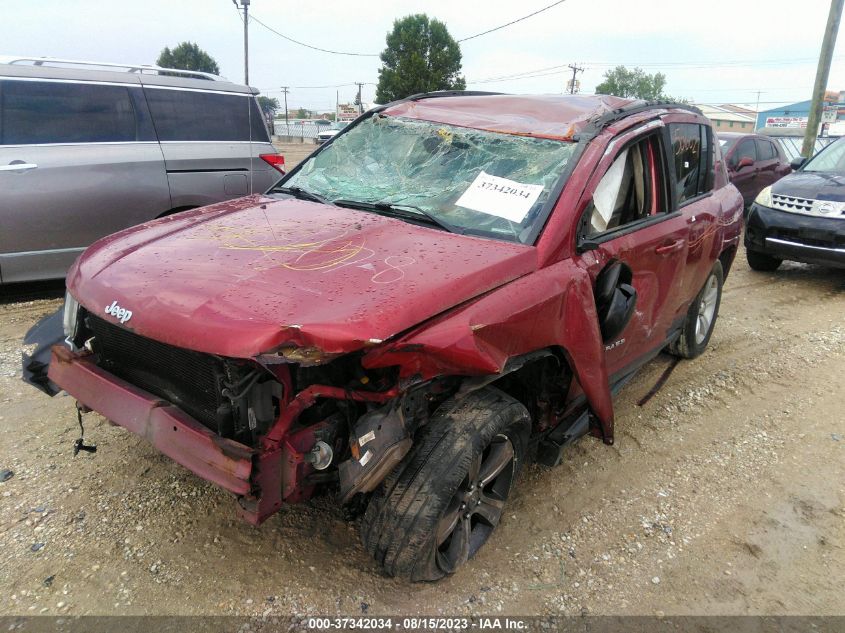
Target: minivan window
57,112
183,115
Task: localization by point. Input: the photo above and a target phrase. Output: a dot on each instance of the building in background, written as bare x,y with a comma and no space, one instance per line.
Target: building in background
791,119
729,118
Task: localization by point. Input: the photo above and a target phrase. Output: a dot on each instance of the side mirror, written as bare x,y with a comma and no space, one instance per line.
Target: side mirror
797,162
745,161
616,299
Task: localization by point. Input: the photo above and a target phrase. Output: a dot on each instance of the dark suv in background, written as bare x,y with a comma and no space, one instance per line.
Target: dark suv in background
802,216
87,149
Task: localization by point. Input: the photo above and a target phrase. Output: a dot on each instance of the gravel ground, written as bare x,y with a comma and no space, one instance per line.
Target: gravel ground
725,494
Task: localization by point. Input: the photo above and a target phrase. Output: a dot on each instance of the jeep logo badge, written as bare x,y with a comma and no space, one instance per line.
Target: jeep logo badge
121,314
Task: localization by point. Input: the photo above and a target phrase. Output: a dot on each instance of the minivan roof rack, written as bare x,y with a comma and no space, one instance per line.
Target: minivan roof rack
130,68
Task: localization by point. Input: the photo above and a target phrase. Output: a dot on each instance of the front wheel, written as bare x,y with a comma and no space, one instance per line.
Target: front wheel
701,317
442,503
761,261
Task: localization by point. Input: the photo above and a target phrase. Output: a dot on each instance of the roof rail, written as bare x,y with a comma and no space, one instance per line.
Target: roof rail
450,93
131,68
607,118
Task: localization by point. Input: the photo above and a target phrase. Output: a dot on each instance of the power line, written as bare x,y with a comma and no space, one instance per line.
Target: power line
464,39
316,48
540,72
525,17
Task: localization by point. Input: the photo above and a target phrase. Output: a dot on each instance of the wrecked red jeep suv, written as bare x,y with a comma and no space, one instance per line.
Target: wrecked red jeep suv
451,287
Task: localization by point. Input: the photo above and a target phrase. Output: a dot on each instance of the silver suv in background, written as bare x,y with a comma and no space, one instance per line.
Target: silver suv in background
87,149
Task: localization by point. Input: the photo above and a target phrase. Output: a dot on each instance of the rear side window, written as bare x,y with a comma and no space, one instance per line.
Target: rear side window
765,150
692,156
54,112
182,115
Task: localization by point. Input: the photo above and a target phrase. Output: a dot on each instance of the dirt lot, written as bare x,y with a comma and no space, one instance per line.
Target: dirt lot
294,153
723,495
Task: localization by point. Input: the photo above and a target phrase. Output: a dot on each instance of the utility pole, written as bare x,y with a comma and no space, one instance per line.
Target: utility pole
360,105
822,73
245,5
575,70
757,110
287,128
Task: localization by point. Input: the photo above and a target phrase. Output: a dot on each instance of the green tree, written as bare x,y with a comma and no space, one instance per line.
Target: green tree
635,83
302,113
420,56
269,106
188,56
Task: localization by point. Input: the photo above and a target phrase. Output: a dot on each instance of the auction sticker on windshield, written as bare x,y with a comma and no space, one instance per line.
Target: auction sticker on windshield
500,197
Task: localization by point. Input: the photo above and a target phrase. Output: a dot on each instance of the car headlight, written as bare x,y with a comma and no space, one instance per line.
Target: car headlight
764,198
71,314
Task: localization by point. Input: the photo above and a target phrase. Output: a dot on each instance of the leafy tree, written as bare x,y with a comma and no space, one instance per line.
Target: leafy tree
188,56
635,83
420,56
269,106
302,113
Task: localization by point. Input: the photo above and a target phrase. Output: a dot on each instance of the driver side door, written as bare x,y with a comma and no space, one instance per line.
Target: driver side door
631,221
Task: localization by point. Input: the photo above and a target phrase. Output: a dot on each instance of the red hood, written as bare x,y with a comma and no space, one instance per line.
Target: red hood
246,276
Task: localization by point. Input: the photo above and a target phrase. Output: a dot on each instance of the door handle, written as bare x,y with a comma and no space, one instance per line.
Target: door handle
18,166
669,248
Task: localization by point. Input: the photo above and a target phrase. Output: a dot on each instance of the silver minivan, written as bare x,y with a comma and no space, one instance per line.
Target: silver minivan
87,149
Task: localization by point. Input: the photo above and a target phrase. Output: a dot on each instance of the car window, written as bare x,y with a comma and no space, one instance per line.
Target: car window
830,159
692,158
726,143
56,112
183,115
765,150
487,183
630,190
746,149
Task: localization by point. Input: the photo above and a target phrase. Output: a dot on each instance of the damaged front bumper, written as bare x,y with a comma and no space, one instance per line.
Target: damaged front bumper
277,468
38,345
222,461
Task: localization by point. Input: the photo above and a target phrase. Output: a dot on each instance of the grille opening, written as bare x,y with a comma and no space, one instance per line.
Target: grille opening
192,381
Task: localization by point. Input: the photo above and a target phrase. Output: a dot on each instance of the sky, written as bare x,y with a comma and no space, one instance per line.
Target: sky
720,51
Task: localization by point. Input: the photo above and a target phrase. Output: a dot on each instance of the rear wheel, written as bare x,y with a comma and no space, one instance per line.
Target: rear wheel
701,317
761,261
437,508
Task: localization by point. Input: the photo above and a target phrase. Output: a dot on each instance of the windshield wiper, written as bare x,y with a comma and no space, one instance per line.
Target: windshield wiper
398,209
302,194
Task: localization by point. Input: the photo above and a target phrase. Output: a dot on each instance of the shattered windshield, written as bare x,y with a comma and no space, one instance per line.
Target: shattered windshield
464,179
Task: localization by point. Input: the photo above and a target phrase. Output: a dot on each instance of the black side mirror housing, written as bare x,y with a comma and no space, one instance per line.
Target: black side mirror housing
615,299
797,163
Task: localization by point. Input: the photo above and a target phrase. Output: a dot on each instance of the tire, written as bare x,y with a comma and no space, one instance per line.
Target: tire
761,261
701,317
406,527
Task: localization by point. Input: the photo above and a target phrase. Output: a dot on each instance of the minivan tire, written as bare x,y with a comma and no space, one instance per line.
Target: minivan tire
762,261
692,342
463,443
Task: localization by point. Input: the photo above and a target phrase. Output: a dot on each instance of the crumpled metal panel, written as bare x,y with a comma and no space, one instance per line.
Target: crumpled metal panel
552,308
545,116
